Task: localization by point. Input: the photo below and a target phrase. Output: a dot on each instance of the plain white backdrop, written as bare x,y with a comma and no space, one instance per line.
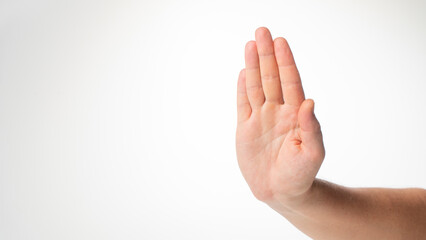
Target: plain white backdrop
117,118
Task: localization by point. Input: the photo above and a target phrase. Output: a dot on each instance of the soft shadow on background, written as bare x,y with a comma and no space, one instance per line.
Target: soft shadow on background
117,118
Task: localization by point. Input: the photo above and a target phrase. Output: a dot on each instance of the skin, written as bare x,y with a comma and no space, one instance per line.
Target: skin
280,150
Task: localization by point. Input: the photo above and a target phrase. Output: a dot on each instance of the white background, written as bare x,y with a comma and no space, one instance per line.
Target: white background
117,118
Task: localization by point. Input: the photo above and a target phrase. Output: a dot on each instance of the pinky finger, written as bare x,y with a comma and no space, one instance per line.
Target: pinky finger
243,104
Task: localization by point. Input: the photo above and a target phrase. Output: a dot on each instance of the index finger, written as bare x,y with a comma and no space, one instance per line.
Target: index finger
290,79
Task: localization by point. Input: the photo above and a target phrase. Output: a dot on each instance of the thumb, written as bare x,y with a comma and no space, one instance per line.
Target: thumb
310,129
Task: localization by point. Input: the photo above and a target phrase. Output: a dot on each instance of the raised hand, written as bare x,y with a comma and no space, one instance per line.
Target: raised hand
279,140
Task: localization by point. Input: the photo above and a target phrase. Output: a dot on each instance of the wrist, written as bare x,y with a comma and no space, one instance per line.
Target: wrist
283,203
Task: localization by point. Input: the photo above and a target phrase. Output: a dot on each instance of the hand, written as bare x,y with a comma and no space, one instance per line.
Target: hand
279,140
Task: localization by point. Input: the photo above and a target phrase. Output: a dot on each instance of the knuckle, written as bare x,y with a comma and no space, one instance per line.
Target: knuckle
269,77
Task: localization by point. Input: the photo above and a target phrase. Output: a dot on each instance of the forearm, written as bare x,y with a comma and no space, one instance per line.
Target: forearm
329,211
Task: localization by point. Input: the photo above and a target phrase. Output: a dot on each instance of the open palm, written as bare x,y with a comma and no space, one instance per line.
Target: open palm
279,140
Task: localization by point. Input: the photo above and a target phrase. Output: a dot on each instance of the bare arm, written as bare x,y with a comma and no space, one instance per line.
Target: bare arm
330,211
280,150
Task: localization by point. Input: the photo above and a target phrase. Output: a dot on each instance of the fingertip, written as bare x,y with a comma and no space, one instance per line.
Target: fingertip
283,49
311,103
242,72
261,31
307,119
280,40
242,79
251,52
243,104
250,45
309,106
264,40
